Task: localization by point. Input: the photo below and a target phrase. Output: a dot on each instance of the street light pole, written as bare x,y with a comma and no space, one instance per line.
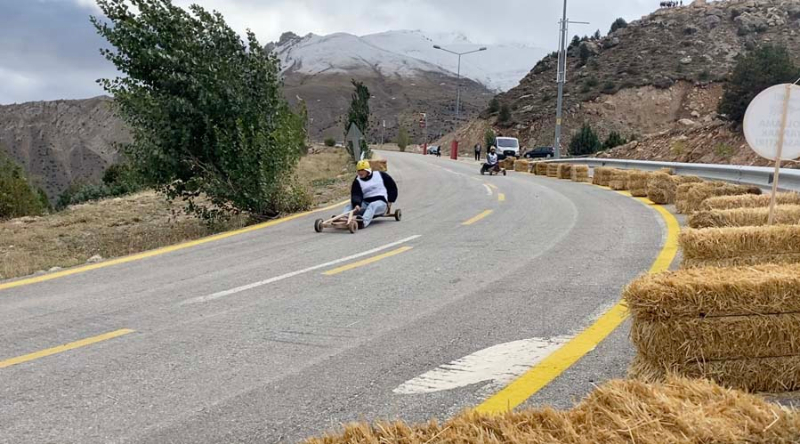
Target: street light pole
561,77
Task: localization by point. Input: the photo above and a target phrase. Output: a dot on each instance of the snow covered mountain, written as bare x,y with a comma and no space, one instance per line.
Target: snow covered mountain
407,54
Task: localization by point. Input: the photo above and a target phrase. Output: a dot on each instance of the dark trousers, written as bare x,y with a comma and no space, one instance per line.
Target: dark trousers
477,155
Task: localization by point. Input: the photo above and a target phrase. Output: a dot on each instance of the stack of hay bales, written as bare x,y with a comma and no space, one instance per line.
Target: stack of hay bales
745,217
580,173
564,171
552,170
749,201
679,410
696,195
619,180
540,168
379,165
521,166
669,171
508,163
602,176
738,246
736,326
682,193
637,183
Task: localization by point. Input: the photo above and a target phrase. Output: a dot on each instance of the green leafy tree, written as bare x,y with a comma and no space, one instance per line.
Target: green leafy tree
584,142
17,197
489,139
205,108
614,139
494,105
403,140
358,114
505,114
766,66
618,24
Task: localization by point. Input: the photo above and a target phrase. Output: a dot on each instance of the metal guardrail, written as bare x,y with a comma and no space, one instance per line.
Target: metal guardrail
739,174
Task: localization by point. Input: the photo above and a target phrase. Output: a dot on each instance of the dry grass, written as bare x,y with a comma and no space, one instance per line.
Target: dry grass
564,171
580,173
619,180
637,183
675,411
723,247
768,375
521,166
136,223
715,292
745,217
749,201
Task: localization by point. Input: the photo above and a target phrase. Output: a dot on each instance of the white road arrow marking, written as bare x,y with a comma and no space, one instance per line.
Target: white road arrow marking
499,364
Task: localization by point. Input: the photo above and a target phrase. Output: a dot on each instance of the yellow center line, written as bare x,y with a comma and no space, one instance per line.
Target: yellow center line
478,217
494,187
559,361
501,197
366,261
65,347
160,251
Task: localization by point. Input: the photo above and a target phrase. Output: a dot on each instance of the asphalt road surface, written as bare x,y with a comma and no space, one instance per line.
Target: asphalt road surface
263,337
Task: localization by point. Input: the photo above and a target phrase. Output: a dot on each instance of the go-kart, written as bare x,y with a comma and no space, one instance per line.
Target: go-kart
351,220
492,169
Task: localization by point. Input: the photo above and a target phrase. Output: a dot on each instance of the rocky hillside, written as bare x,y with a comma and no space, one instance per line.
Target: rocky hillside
660,76
62,141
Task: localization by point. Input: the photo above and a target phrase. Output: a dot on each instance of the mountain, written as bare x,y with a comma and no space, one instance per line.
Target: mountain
659,79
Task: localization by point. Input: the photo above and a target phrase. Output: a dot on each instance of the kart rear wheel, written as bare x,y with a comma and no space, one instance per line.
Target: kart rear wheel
318,225
398,215
353,227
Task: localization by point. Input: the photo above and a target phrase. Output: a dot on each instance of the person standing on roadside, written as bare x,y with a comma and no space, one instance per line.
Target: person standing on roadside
477,151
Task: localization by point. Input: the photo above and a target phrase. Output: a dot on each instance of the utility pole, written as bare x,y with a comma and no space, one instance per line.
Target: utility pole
561,76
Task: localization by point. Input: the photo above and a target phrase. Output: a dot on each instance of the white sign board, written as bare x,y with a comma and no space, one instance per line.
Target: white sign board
764,119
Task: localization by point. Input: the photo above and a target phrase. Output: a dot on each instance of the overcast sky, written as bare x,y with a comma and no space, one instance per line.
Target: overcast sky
49,50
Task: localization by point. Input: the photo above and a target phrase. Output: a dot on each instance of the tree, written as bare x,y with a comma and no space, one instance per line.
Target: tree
584,52
17,197
505,114
403,140
618,24
766,66
359,115
575,41
490,139
614,139
597,35
584,142
205,108
494,105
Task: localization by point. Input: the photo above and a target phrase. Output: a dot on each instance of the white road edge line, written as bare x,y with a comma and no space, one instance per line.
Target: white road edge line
232,291
488,190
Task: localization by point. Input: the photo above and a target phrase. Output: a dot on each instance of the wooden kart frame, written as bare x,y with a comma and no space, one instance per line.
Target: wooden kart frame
349,220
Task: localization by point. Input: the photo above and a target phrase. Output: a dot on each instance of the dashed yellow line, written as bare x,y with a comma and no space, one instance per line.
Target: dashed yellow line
559,361
66,347
494,187
501,197
478,217
371,260
160,251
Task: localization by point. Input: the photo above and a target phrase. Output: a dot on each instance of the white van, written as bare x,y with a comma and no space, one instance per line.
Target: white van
508,146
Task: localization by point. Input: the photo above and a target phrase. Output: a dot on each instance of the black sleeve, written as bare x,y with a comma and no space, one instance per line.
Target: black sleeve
356,195
391,187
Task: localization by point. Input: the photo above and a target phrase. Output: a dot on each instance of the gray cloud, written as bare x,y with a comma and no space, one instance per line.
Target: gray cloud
49,50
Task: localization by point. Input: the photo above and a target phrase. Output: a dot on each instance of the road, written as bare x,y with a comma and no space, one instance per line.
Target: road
261,337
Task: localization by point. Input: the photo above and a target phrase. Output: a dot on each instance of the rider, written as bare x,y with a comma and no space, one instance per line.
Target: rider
491,158
371,192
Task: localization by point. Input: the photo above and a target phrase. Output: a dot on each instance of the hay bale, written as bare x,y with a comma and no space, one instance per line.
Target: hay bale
564,171
521,166
745,217
661,188
682,191
602,176
637,183
771,375
678,410
508,163
724,247
668,171
552,170
682,340
540,168
379,165
619,180
531,167
749,201
580,173
698,194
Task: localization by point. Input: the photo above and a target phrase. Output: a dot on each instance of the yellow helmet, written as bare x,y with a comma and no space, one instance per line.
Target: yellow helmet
363,165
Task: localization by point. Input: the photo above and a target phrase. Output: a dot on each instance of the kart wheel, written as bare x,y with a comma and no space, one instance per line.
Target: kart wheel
483,172
504,172
353,227
318,225
398,215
